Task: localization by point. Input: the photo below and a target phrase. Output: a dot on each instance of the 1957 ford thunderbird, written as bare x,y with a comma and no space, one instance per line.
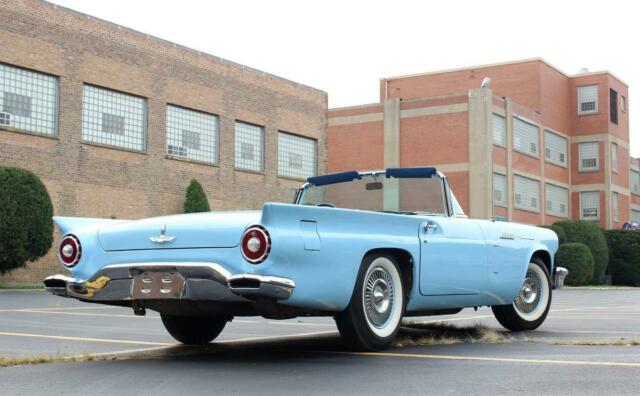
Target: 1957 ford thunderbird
367,248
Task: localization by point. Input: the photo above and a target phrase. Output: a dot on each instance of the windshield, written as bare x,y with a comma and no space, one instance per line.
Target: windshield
377,193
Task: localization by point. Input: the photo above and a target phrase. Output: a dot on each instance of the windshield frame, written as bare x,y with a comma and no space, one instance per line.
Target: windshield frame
446,191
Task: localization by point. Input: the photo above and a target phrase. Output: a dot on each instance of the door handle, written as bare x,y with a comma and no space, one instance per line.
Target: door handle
430,225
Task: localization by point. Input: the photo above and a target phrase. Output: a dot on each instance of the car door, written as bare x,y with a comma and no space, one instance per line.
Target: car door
453,257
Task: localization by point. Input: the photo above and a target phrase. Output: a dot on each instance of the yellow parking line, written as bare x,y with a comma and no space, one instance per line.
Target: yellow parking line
85,339
487,359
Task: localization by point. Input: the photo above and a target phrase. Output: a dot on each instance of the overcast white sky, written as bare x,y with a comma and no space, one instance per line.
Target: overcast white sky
344,47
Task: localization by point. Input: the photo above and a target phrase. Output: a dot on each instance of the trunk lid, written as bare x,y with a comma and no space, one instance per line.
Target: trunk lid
195,230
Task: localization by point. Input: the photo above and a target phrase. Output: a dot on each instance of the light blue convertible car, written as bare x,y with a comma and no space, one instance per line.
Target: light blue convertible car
367,248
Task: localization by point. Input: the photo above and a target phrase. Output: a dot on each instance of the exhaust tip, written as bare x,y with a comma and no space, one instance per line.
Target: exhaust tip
244,283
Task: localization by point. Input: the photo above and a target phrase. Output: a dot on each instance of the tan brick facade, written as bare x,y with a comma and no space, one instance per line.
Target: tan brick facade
89,180
446,121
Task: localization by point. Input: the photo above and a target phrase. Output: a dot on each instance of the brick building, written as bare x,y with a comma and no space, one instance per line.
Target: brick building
116,122
536,146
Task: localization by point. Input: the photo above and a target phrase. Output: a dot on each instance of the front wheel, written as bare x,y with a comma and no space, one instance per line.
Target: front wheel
531,306
194,330
372,319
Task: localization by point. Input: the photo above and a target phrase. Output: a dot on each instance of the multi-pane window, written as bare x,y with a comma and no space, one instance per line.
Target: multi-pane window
634,183
616,206
499,130
588,155
499,189
613,106
557,200
113,118
588,99
614,157
28,100
192,134
635,216
525,137
526,193
249,147
296,156
555,148
590,205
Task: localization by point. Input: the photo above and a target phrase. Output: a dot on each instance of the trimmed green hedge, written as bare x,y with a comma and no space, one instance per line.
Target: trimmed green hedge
26,227
588,233
577,258
562,237
624,257
196,199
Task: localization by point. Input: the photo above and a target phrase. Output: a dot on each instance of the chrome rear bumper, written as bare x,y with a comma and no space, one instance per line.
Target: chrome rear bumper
181,281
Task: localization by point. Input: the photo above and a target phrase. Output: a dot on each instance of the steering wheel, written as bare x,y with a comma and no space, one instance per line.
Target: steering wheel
326,205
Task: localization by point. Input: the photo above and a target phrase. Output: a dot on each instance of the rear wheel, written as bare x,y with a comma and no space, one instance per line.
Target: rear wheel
531,306
194,330
372,319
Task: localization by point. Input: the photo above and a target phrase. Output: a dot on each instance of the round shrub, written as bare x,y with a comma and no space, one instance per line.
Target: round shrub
26,227
196,200
577,258
562,237
588,233
624,257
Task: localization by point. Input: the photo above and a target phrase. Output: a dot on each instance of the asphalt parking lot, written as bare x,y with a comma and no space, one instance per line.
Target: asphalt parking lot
588,345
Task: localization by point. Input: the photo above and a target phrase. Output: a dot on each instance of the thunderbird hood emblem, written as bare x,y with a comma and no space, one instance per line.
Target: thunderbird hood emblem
162,238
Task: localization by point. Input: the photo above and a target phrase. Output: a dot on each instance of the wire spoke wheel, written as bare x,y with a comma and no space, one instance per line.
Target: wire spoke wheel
531,293
378,297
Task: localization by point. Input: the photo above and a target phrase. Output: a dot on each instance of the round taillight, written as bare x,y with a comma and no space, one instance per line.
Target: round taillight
69,251
255,244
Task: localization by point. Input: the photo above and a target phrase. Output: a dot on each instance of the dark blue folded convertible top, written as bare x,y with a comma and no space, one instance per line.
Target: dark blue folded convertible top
410,172
334,178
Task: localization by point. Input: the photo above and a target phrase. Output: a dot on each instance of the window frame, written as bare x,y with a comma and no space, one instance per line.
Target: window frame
56,105
493,130
186,157
581,168
263,138
505,202
613,106
596,110
537,141
315,154
580,199
553,212
145,120
553,161
631,184
614,153
521,206
615,206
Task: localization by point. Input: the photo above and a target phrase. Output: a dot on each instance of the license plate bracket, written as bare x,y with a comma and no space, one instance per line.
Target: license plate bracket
157,285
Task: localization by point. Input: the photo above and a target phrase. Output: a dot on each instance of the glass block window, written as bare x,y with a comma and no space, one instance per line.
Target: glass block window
499,130
296,156
28,100
616,206
499,189
192,134
635,216
113,118
590,205
588,99
525,137
634,183
588,155
614,157
526,193
555,148
249,147
557,200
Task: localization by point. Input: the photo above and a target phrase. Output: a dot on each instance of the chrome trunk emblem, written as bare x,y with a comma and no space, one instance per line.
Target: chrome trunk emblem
162,238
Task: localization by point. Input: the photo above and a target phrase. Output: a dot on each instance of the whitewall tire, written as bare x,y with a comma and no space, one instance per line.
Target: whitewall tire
372,319
531,306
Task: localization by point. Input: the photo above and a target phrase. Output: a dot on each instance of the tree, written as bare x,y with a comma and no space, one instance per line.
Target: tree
196,199
26,227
